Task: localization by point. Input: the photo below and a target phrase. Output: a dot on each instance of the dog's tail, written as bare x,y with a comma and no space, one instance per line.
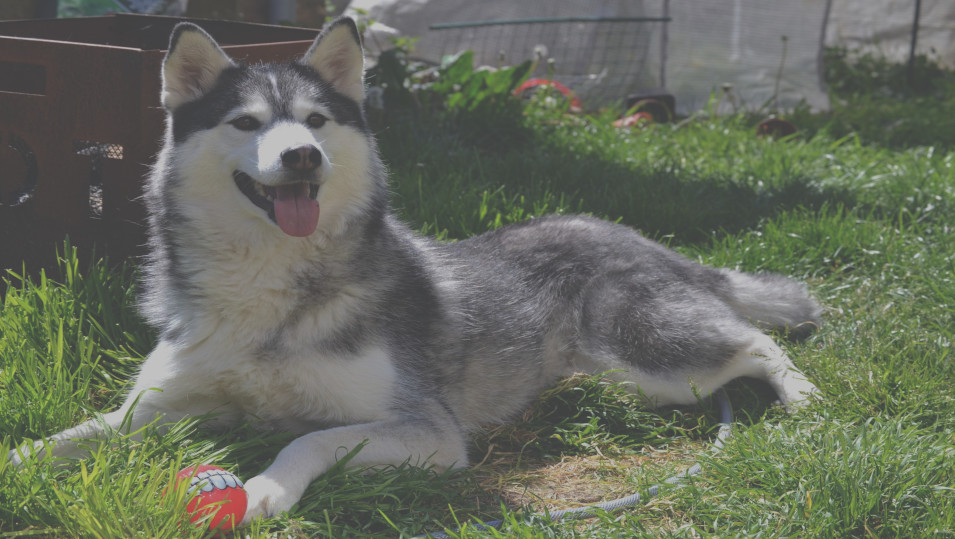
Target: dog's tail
774,302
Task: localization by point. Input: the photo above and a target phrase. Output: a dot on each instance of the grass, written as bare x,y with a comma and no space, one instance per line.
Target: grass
866,222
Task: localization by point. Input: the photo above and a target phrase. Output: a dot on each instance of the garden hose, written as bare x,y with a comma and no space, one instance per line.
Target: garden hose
590,511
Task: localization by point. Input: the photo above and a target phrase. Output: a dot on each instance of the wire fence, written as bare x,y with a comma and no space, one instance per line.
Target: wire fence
601,59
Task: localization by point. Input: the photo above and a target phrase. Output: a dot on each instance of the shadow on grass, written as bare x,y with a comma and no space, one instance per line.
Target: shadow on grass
460,178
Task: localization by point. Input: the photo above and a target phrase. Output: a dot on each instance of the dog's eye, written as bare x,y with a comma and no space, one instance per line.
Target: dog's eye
245,123
315,120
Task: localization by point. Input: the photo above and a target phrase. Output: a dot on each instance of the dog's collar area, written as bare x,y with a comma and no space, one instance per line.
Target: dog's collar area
263,196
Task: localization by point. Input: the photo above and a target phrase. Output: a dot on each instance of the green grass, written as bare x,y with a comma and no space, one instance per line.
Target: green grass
867,223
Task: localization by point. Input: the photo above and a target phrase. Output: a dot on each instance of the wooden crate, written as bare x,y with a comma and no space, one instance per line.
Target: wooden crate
81,122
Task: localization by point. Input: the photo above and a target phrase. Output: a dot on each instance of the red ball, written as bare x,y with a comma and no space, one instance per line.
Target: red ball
215,491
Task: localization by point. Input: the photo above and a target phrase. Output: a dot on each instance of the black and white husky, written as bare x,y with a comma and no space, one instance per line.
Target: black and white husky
286,292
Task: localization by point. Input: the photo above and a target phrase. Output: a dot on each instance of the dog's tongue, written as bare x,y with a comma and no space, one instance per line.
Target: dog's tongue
295,213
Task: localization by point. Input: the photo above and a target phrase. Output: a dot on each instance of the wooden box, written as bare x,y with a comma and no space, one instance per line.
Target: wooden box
81,122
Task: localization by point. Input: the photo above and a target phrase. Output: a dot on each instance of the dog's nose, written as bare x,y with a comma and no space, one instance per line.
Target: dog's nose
302,158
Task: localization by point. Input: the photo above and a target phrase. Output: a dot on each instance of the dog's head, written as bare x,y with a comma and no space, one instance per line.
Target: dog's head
269,148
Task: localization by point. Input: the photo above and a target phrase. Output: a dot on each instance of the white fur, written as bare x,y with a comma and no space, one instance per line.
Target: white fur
220,371
761,358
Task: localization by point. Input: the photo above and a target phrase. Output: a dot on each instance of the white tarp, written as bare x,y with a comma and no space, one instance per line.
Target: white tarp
884,27
768,51
708,44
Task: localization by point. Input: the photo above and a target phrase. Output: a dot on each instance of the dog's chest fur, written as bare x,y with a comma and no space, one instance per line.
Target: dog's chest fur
275,353
311,388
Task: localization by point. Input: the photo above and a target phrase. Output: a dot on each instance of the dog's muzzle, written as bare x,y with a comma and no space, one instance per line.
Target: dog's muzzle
293,206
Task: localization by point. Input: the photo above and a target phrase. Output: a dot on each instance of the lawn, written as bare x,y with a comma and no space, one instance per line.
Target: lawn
861,213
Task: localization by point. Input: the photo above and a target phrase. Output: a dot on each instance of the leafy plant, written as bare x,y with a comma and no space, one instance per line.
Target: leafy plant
872,99
469,89
454,86
852,75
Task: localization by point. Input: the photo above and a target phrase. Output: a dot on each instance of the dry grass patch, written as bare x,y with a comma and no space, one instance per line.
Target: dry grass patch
566,481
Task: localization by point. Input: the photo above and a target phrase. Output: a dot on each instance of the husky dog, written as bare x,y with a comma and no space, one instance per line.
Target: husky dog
286,292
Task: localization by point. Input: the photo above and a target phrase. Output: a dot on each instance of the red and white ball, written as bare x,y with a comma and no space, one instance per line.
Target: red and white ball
215,491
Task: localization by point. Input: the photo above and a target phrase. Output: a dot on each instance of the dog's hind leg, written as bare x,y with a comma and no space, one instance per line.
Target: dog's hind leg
413,439
765,359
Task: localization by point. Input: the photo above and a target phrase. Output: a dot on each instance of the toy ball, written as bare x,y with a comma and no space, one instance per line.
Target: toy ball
217,492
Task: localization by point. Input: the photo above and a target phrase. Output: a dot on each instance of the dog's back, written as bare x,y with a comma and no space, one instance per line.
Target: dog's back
564,294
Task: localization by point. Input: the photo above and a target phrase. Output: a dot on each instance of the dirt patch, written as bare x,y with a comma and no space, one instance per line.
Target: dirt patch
574,481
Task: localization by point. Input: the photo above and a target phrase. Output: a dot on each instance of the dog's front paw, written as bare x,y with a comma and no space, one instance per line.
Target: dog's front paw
269,497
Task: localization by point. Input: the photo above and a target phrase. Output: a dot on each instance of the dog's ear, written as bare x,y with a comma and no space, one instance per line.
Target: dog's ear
337,56
192,65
